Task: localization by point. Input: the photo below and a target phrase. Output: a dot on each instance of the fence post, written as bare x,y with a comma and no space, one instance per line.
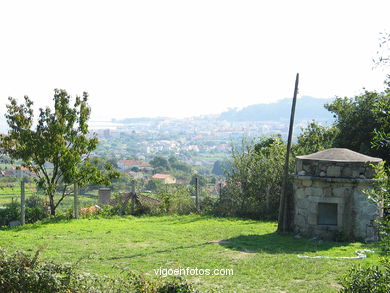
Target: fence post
76,200
132,197
22,202
196,194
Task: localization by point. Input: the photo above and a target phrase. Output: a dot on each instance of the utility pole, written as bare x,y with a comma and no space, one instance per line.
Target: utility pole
283,206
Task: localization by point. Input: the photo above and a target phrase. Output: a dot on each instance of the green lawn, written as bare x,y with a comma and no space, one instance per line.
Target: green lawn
262,261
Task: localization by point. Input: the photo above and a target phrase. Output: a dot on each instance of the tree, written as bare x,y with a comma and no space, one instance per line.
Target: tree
358,120
220,167
255,178
57,149
315,138
160,164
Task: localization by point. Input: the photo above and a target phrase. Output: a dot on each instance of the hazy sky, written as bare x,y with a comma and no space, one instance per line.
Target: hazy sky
184,58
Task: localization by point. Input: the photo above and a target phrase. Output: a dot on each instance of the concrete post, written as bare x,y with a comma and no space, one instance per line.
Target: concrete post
22,202
76,201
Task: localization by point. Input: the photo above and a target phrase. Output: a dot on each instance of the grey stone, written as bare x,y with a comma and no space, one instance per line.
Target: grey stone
306,182
14,223
333,171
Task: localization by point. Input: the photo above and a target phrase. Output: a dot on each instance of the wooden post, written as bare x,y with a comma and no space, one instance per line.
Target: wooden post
220,189
196,194
76,201
22,202
133,195
283,206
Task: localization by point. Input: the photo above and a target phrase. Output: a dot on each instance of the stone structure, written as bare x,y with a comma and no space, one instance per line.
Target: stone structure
328,195
104,195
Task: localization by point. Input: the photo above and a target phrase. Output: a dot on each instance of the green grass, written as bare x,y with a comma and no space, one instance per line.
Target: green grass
262,261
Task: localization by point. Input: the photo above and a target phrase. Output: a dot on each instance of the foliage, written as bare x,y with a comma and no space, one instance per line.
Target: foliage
58,149
315,138
11,212
154,184
35,209
362,279
358,119
202,180
380,195
21,272
382,133
220,167
254,182
176,200
160,164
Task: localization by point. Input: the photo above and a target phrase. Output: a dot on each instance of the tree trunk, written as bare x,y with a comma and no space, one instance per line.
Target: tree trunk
52,205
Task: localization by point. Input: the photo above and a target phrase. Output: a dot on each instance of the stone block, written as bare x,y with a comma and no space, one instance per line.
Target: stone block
302,204
314,191
346,172
300,193
14,223
306,182
339,191
300,221
312,219
333,171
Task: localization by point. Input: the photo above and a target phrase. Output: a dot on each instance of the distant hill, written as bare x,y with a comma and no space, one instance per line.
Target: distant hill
307,108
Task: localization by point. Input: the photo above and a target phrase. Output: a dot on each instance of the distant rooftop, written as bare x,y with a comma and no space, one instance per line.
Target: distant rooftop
339,155
160,176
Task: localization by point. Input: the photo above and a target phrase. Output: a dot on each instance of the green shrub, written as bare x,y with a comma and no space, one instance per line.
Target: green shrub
371,279
21,272
35,209
11,212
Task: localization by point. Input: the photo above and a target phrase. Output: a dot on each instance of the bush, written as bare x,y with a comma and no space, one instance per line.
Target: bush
178,200
11,212
367,279
35,209
21,272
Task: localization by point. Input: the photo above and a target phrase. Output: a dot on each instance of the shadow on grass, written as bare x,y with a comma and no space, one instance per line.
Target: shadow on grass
159,251
274,243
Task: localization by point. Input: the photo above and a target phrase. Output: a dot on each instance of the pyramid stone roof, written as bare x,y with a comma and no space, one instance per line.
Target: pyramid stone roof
339,155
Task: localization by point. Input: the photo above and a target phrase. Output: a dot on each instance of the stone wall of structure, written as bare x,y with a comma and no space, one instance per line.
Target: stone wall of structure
321,168
355,213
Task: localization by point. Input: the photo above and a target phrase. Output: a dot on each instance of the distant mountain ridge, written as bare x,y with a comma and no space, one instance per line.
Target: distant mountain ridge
307,108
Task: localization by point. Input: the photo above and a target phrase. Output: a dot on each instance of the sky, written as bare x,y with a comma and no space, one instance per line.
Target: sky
187,58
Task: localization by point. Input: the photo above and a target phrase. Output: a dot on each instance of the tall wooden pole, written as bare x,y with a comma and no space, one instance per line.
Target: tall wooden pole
76,201
22,202
283,206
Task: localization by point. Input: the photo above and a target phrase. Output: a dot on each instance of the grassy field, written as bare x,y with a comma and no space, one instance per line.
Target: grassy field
262,261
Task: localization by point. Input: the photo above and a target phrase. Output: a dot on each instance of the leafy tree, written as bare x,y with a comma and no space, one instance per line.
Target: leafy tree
315,138
220,167
202,180
160,164
255,179
57,149
358,120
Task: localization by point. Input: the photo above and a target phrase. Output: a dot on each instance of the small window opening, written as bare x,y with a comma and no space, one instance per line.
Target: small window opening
327,214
